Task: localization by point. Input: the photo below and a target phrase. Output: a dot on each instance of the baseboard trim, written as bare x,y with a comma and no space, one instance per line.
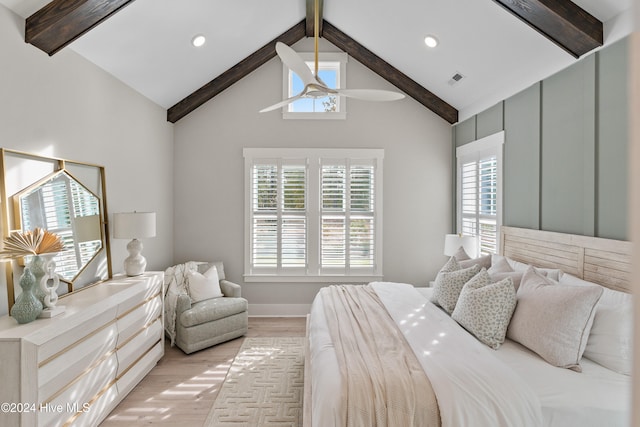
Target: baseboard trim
279,310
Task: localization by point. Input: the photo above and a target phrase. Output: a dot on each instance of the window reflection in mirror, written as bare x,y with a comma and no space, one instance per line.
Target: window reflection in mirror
65,207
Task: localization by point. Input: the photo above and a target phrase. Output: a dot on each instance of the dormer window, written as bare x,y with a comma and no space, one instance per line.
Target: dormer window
332,71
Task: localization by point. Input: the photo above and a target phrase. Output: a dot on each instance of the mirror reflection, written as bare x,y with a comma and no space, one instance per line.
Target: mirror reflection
64,206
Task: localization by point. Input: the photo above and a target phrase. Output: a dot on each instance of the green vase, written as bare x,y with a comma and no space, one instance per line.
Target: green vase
27,306
37,267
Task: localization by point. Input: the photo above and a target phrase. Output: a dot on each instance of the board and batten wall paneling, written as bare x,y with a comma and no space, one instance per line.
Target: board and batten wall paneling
490,121
566,144
521,186
465,131
568,150
612,142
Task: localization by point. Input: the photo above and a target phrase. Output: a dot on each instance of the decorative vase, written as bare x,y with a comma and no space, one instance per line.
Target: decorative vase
49,286
38,268
27,307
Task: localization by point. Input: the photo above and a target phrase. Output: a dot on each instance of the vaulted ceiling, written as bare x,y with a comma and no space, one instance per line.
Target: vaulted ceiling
498,46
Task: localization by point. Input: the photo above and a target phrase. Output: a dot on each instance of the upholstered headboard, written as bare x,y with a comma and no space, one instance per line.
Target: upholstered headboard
603,261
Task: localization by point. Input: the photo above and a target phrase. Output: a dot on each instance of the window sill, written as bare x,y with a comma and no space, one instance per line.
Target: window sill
268,278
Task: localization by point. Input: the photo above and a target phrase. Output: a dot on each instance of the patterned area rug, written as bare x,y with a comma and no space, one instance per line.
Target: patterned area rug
264,386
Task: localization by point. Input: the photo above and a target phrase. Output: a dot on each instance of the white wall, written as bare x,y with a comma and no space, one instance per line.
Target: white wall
634,196
209,176
64,106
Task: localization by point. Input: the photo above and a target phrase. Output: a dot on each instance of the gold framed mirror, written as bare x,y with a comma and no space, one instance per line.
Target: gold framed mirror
62,196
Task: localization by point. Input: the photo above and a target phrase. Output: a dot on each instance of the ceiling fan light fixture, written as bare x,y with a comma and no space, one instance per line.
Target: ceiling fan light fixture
198,40
431,41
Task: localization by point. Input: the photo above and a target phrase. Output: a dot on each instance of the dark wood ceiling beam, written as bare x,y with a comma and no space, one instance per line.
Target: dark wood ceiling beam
234,74
389,73
62,21
561,21
310,19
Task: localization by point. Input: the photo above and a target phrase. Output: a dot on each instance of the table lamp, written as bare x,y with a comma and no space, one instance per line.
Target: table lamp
134,225
453,242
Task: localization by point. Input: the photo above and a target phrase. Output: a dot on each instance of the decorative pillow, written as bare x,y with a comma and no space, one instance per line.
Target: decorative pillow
553,321
204,286
499,264
485,308
451,265
483,262
515,276
449,284
610,341
461,254
551,273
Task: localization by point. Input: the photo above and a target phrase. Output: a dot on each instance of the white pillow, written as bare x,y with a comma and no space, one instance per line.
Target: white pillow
551,273
610,341
485,308
449,284
483,261
204,286
553,321
461,254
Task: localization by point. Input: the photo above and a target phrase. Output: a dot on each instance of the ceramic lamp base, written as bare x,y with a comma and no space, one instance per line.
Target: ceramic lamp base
135,263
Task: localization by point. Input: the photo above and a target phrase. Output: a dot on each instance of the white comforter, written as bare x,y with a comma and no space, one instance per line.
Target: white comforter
472,386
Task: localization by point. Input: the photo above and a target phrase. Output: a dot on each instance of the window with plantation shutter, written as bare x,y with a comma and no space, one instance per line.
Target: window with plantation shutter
313,214
480,191
54,207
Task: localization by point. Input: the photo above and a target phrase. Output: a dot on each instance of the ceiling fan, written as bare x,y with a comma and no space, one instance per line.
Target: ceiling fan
314,87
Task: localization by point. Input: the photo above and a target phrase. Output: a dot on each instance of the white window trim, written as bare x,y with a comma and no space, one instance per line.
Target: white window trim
492,144
341,114
313,157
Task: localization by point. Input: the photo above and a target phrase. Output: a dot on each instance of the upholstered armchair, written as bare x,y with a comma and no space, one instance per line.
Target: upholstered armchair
193,319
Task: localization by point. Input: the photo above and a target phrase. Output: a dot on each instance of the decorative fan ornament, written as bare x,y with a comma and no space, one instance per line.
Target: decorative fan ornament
314,87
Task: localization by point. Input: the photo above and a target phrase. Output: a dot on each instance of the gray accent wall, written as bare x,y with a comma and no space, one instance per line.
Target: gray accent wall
522,159
565,152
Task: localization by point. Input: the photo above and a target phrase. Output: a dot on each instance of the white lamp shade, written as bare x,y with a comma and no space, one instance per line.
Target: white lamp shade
453,242
134,225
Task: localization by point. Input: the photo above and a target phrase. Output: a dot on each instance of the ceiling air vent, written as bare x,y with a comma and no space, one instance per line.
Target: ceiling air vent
455,79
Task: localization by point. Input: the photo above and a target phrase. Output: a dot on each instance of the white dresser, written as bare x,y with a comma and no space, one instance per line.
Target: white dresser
73,369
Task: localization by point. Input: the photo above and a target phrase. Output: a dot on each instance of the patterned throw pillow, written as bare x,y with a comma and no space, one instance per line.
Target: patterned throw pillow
449,284
485,308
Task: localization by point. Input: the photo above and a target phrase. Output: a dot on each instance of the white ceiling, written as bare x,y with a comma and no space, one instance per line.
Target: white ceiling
148,44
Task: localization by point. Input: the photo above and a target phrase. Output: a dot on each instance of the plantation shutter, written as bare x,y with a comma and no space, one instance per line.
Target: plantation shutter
313,214
479,192
347,216
50,209
279,216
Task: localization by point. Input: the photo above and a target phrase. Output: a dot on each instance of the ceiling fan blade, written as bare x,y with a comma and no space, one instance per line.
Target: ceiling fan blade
370,94
281,103
295,63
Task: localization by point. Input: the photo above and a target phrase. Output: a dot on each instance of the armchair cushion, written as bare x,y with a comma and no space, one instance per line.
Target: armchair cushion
212,309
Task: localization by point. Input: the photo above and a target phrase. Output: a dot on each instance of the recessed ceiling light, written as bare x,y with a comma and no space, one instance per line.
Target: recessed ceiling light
431,41
198,40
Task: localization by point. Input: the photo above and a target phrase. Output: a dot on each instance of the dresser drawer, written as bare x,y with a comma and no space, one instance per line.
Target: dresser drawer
138,317
57,372
81,392
153,288
130,378
97,411
70,337
138,345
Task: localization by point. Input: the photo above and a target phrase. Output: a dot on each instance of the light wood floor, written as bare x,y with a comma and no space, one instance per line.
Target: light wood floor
181,389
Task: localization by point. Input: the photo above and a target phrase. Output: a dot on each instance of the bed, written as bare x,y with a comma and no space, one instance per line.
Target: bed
473,384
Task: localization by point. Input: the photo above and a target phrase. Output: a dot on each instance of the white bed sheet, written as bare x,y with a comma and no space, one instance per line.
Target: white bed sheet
595,397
